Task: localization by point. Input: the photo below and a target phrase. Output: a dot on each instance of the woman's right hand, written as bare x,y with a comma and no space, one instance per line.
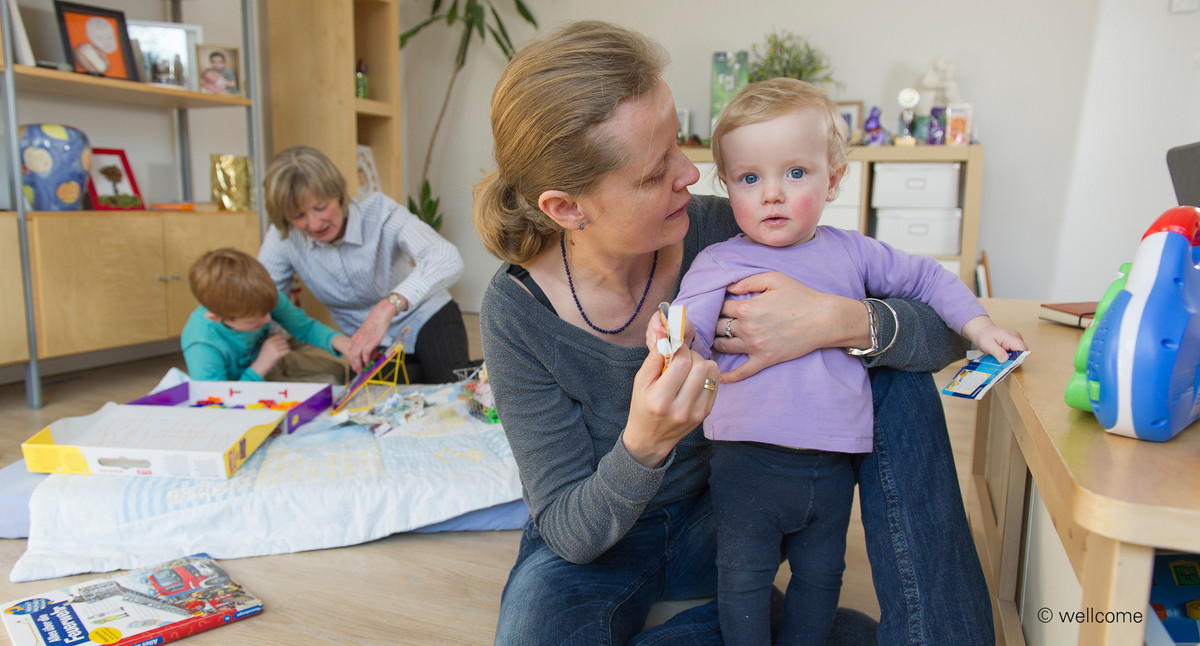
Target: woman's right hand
667,404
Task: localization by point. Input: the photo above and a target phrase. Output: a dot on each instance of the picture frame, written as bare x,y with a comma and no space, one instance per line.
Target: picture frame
110,168
220,69
168,51
368,177
852,112
95,40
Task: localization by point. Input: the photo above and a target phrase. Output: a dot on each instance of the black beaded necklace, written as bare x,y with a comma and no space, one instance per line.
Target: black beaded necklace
562,245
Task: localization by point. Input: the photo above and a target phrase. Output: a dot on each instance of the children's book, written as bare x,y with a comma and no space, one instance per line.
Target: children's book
1175,595
979,375
1078,314
152,605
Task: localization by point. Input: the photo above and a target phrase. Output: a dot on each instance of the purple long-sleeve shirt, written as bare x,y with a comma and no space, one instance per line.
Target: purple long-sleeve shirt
821,400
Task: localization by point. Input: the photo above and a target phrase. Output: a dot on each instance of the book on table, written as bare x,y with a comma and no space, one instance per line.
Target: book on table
1079,314
152,605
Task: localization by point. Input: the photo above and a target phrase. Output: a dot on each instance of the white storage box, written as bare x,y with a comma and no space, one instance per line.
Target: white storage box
923,231
842,217
850,193
908,185
708,184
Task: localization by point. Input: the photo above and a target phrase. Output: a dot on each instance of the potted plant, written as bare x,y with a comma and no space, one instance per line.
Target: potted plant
472,16
786,54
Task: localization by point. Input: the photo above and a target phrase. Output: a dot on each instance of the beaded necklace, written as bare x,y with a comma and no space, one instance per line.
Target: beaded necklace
562,245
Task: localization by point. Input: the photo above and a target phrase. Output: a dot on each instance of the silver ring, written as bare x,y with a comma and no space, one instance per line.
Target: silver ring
728,332
710,384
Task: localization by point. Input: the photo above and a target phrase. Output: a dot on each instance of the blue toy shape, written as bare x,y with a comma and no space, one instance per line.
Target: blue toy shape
1145,348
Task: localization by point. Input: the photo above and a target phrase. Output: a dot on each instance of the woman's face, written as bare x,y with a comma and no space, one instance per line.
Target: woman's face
319,218
642,206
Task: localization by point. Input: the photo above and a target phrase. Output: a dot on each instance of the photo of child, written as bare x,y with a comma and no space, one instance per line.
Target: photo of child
219,73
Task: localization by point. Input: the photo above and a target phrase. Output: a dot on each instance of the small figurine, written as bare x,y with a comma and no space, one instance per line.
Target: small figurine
937,86
937,127
907,99
877,135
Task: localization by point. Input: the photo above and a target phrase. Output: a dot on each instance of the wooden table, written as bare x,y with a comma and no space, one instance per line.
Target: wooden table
1112,499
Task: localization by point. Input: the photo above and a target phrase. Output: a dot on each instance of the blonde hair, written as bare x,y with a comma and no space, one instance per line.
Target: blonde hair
232,284
294,175
546,108
765,100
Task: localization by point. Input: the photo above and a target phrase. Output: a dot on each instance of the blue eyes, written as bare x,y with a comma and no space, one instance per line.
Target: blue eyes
795,173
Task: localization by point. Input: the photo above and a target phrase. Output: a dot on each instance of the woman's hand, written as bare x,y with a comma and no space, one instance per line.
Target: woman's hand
364,341
667,404
785,319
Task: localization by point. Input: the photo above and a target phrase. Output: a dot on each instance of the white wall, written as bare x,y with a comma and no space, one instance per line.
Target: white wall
1076,102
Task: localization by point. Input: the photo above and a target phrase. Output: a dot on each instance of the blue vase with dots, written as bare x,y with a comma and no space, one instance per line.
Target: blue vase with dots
54,166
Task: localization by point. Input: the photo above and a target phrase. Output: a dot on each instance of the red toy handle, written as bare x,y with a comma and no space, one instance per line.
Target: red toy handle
1184,220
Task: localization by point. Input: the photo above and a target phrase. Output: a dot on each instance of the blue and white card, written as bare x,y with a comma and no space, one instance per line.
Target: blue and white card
979,375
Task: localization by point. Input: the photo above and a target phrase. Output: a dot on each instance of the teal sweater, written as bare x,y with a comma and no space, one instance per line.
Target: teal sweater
214,352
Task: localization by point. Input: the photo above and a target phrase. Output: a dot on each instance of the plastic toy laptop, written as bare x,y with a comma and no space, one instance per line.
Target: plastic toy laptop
1136,367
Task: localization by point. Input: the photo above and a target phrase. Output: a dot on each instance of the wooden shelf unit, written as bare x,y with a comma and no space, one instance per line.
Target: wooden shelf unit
109,279
97,88
326,39
971,158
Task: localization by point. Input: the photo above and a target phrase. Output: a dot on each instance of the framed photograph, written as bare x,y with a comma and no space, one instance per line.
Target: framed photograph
168,51
220,69
852,112
111,185
95,40
368,178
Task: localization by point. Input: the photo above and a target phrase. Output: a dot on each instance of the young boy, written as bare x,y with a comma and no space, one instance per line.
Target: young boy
229,338
784,439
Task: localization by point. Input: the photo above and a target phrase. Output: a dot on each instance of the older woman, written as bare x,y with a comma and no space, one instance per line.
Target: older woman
382,272
590,210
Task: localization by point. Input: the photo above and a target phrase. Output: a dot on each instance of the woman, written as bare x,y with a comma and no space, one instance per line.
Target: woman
590,210
381,271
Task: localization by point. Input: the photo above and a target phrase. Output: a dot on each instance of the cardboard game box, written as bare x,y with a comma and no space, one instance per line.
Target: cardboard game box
198,429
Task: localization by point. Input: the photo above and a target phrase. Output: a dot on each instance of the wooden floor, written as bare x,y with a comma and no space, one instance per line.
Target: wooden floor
433,589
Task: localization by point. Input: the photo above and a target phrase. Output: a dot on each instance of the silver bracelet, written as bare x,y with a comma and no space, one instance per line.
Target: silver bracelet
895,323
874,322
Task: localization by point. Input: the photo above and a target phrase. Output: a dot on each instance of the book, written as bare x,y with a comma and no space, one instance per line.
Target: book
1078,314
975,379
1175,596
153,605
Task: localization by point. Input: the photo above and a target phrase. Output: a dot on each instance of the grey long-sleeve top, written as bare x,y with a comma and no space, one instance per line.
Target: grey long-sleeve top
563,397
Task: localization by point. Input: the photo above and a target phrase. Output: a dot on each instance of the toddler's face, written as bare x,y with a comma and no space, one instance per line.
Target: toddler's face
778,177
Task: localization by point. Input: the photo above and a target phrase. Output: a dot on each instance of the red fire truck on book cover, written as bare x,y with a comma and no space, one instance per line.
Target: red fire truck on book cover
153,605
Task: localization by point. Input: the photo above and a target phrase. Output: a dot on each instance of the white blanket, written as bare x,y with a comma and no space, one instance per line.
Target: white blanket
323,486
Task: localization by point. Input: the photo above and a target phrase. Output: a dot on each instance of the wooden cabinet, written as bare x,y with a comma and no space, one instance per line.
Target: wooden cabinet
14,347
970,159
312,49
110,280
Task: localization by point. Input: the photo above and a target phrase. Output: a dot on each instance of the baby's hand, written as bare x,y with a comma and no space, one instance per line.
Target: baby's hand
341,343
993,339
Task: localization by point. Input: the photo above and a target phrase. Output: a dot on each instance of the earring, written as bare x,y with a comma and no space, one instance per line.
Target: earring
581,226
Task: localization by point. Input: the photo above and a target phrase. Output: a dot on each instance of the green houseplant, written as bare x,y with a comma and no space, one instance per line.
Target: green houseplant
472,17
786,54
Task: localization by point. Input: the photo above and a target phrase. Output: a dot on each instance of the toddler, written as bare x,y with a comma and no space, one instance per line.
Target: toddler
784,440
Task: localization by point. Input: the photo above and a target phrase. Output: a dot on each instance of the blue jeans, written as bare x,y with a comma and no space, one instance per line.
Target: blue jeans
927,575
765,498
